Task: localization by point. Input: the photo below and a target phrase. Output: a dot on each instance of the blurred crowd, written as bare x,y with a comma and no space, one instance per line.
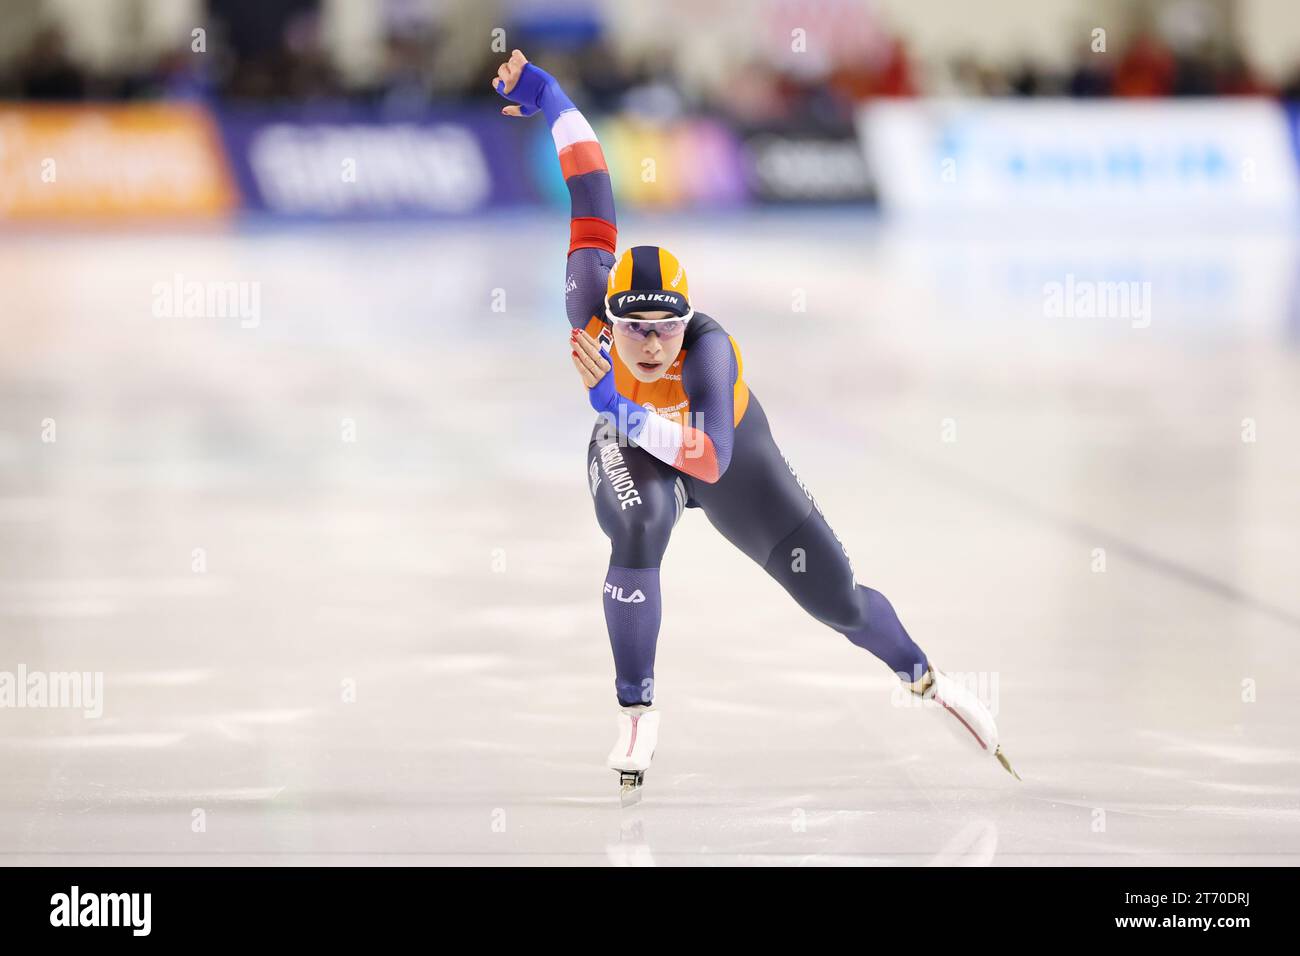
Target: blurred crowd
274,50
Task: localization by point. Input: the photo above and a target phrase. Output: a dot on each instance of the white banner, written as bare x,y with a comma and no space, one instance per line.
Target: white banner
1185,156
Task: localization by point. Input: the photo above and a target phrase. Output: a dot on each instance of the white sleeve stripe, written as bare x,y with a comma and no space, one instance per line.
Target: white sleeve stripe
661,437
571,127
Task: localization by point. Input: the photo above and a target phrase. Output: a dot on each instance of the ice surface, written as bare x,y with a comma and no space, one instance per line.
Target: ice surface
445,568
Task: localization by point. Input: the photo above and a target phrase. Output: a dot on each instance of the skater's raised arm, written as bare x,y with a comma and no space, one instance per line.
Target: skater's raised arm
592,226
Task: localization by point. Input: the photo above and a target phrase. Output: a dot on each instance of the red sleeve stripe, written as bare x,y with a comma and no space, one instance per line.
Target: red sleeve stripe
589,232
697,456
582,158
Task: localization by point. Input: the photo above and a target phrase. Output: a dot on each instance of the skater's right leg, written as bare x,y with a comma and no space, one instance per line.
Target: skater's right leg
638,499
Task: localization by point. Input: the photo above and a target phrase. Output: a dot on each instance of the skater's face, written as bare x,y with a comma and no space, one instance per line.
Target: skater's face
648,352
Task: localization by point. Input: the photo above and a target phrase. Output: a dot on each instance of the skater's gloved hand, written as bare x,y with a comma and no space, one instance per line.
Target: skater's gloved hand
594,366
532,88
595,370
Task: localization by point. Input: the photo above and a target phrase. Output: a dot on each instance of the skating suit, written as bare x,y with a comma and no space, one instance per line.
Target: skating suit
705,444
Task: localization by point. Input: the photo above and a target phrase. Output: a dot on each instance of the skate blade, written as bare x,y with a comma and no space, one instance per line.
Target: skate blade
1006,764
630,782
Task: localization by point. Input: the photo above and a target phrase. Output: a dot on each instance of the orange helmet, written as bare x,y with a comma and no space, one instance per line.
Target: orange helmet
647,279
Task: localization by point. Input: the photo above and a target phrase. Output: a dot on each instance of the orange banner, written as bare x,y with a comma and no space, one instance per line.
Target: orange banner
110,162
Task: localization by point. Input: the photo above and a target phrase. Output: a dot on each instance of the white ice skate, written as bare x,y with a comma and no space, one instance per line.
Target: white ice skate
638,733
965,715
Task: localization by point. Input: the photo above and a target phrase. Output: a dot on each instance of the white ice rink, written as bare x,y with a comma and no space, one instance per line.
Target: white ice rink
971,450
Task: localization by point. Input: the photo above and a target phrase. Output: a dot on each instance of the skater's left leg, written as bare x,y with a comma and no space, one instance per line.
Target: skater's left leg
813,567
811,564
765,511
762,508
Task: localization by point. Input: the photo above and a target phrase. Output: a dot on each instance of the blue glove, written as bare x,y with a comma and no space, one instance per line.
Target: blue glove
537,90
626,415
602,395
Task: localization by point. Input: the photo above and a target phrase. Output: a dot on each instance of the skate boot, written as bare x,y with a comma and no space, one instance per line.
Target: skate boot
638,732
964,713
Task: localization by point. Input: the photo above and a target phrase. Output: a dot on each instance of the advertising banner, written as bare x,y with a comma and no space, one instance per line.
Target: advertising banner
1143,155
351,162
805,166
692,163
109,162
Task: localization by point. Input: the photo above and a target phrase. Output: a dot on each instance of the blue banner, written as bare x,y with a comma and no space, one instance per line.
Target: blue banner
344,161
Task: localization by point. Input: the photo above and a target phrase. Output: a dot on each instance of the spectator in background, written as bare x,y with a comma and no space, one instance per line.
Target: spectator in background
1290,89
1090,75
973,78
1146,68
605,76
653,94
275,49
1238,79
1026,79
888,74
46,72
180,75
757,101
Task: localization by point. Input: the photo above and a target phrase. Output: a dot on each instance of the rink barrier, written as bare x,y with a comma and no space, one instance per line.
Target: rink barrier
347,161
1112,156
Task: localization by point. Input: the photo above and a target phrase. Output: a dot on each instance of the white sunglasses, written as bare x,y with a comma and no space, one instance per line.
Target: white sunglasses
639,328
